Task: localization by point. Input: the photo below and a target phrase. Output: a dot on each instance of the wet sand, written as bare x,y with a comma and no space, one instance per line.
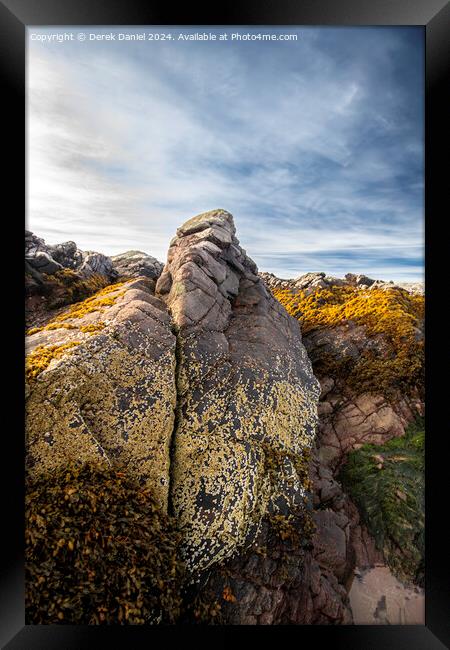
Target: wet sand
377,597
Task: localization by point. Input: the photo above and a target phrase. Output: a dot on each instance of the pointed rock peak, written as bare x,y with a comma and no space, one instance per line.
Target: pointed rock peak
214,219
245,389
204,270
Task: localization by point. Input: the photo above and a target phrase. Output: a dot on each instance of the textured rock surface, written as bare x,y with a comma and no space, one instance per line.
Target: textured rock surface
206,393
245,388
288,581
348,416
278,583
43,258
348,421
101,386
133,264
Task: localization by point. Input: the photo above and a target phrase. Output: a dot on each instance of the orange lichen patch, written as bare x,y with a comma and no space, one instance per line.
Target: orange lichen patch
394,314
228,595
93,327
94,303
72,285
51,326
38,360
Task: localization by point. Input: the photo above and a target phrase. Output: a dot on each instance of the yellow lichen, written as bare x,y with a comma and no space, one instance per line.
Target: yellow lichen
94,303
38,360
50,326
93,327
108,405
393,314
66,286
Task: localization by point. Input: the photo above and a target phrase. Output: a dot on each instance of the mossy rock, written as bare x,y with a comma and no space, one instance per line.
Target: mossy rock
387,484
99,551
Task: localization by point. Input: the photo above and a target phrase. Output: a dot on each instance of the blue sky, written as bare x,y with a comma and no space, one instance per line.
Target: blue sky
315,146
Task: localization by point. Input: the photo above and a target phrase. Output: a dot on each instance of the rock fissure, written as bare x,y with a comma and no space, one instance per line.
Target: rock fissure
176,421
243,379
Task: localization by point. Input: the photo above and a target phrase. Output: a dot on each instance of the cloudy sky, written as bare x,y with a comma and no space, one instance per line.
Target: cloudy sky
315,145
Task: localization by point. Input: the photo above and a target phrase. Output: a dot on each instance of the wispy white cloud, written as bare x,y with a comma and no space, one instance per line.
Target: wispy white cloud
310,147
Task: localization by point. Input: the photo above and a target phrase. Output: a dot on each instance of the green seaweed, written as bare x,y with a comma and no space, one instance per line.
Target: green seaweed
387,484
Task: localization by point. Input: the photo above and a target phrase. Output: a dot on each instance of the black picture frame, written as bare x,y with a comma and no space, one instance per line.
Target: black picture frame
434,16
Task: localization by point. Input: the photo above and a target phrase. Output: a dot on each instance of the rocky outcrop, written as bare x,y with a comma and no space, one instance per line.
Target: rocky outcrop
45,259
59,275
348,421
246,393
310,282
196,381
349,418
364,358
101,386
217,418
279,582
133,264
365,342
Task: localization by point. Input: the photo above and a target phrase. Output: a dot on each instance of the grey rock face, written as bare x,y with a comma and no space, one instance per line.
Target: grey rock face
33,244
47,259
309,282
67,254
96,263
42,262
136,263
359,280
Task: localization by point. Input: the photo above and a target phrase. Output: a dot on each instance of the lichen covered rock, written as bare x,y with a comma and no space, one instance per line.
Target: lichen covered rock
101,386
366,345
246,392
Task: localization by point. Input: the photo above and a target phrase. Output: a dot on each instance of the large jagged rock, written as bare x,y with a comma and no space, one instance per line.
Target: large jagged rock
101,386
246,393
